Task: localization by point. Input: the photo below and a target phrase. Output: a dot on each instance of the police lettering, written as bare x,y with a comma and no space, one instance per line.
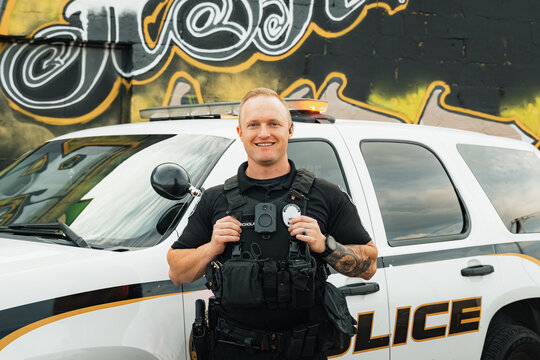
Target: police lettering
464,318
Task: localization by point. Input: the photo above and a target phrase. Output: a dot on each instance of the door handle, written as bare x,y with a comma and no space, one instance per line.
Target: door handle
477,270
363,288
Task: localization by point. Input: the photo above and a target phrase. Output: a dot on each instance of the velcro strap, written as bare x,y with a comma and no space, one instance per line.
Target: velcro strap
231,183
303,181
270,283
235,200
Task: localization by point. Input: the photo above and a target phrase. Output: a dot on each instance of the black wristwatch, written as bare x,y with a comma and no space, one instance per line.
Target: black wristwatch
331,245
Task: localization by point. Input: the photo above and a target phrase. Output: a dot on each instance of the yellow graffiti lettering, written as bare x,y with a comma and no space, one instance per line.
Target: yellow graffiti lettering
161,10
527,112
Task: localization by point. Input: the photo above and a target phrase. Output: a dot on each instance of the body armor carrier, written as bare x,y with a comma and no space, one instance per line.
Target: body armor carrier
267,268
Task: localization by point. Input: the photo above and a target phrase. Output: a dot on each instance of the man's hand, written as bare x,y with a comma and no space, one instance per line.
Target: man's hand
350,260
225,230
307,229
187,265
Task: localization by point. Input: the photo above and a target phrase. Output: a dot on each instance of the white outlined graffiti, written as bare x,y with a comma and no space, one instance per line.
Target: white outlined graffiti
338,10
209,32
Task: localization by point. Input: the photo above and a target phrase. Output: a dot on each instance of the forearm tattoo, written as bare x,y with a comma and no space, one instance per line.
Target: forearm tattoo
347,262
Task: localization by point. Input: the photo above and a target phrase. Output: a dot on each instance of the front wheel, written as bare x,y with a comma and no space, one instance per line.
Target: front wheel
511,342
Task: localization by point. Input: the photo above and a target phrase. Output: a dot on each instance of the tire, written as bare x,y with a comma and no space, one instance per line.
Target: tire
511,342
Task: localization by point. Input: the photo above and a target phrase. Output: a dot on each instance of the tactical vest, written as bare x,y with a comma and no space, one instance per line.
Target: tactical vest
267,268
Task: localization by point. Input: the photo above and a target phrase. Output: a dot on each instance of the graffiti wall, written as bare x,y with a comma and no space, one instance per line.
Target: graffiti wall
69,65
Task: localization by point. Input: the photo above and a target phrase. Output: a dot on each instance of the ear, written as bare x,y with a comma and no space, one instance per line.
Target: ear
291,130
239,130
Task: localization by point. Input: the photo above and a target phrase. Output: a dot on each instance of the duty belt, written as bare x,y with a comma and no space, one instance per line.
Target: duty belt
295,343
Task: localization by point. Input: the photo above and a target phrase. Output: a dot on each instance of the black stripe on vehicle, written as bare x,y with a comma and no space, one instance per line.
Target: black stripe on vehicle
195,286
438,255
529,248
15,318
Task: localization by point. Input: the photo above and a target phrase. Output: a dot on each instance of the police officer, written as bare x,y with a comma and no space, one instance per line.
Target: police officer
329,229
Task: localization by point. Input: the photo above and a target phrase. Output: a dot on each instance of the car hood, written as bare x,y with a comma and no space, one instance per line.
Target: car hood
32,271
19,255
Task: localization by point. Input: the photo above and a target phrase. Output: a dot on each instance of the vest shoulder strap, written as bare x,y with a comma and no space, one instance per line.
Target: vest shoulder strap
303,181
234,198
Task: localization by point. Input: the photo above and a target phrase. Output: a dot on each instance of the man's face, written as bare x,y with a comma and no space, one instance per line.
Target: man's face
264,130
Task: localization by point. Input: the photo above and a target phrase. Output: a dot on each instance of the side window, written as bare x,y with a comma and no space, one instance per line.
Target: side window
416,197
319,157
511,180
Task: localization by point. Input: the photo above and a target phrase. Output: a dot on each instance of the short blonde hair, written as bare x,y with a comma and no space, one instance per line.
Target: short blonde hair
253,93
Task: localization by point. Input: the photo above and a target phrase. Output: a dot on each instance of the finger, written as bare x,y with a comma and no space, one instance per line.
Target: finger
304,238
228,225
302,218
226,239
300,226
226,232
229,219
300,231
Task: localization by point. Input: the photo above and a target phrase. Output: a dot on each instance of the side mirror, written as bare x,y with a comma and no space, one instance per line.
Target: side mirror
171,181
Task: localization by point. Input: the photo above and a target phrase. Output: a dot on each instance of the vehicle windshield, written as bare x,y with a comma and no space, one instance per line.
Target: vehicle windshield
100,186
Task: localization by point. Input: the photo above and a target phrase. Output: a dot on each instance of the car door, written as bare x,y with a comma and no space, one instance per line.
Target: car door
437,268
329,158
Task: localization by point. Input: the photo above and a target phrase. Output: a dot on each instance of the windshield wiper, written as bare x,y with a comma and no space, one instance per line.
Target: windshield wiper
57,229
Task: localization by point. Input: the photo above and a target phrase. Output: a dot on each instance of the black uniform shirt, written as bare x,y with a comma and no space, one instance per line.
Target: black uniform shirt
331,207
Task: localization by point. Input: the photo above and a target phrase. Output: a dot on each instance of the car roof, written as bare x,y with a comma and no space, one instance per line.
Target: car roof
365,129
221,127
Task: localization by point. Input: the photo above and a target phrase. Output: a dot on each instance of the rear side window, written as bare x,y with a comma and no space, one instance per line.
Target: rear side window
417,199
511,180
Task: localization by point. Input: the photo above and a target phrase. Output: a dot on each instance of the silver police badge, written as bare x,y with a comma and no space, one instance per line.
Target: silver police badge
289,212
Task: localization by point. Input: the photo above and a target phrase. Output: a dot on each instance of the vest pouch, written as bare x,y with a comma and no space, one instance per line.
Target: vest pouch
338,311
242,283
302,275
283,287
269,269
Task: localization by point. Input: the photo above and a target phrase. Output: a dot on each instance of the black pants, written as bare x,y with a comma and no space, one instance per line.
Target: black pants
233,352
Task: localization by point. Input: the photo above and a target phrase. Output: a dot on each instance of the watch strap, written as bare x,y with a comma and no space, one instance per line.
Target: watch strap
327,251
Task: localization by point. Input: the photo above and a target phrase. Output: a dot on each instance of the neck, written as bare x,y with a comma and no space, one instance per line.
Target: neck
261,172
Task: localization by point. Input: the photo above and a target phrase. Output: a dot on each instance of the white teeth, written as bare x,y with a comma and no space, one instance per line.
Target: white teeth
264,144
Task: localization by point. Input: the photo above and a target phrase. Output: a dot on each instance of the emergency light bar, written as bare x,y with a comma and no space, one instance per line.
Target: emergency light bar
308,108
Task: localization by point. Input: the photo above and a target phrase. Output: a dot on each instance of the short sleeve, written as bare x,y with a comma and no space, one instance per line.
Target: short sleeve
344,223
198,230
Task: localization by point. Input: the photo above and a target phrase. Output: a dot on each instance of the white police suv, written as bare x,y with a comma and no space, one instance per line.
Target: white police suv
455,216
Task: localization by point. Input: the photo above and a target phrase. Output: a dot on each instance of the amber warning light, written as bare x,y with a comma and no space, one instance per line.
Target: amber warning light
307,104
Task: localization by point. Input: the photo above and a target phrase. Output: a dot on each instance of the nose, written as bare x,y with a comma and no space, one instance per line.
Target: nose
263,131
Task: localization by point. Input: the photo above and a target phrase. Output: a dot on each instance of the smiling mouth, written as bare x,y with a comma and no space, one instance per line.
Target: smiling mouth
265,144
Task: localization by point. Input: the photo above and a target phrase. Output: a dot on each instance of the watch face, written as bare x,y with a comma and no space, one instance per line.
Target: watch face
331,243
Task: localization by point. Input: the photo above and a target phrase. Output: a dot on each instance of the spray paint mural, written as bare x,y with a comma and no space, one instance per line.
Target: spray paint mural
67,65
